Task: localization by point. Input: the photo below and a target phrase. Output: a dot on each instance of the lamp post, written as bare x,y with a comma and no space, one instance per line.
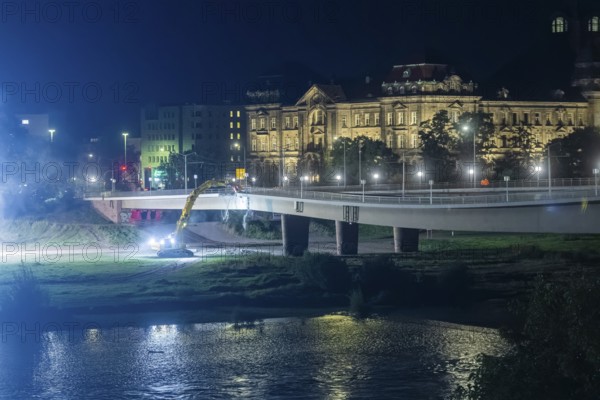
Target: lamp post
538,170
195,181
507,179
51,135
431,191
125,134
360,161
185,177
150,184
466,128
304,178
596,180
420,175
338,178
363,182
376,177
344,156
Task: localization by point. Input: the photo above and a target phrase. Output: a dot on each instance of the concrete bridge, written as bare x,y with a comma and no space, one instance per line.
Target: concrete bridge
564,210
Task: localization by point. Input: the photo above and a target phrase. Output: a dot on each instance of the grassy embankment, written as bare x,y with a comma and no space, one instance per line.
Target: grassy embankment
452,270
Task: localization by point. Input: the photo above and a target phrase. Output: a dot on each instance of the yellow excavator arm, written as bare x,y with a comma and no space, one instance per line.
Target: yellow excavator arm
173,245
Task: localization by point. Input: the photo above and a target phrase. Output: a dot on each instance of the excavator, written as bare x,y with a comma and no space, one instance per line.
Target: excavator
173,245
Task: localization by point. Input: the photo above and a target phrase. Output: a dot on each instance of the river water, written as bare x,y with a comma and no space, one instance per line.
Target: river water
329,357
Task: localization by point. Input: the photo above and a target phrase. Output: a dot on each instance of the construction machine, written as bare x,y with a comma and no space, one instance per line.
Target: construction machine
173,245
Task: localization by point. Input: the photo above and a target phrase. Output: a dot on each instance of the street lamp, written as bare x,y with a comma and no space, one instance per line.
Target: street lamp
150,183
420,174
338,178
507,179
376,177
185,156
363,182
195,181
431,191
538,170
596,180
360,161
344,144
51,135
466,128
285,180
125,134
304,178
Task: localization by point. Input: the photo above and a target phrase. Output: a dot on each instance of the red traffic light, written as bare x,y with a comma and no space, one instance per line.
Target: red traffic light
123,168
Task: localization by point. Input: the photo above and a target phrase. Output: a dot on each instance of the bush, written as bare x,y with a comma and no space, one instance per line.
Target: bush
555,353
325,272
454,285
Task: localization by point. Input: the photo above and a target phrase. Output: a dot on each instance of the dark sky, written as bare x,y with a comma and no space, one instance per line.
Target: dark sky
93,65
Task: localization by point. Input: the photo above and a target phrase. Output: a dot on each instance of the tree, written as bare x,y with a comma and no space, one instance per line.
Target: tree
375,157
576,155
555,351
520,160
438,145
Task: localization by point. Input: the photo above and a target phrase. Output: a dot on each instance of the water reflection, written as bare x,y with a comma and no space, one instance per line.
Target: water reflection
332,357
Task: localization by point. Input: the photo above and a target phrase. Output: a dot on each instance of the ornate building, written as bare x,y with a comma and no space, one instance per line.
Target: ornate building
295,139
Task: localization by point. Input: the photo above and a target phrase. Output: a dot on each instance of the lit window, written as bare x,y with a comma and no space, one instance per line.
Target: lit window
401,141
237,113
238,125
287,122
253,124
594,24
413,119
390,141
559,25
295,122
344,124
253,144
25,122
400,118
231,114
231,125
356,120
231,136
376,119
274,144
414,141
238,136
262,123
367,119
390,118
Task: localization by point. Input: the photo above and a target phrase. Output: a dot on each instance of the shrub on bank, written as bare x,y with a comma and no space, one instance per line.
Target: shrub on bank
328,273
555,353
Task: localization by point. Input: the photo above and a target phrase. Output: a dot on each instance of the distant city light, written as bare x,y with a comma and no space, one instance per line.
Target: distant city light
25,122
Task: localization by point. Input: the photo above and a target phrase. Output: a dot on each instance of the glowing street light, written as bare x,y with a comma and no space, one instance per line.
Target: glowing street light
466,128
51,135
376,177
344,144
507,179
420,175
338,178
538,170
125,134
304,178
195,180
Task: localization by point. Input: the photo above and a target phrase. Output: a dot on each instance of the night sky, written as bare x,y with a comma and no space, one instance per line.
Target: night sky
56,59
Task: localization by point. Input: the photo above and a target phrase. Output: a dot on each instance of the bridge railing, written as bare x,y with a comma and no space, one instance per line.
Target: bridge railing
432,199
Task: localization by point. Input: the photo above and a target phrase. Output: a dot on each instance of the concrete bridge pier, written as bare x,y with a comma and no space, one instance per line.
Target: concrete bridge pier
406,240
294,230
110,209
346,236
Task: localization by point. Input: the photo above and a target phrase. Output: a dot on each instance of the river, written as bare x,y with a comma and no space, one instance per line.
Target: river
328,357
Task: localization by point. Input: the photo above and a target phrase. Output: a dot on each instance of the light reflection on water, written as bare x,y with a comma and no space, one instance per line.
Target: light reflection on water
331,357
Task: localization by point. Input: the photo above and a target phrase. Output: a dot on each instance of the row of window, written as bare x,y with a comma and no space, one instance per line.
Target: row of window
262,123
560,24
263,144
167,148
538,119
161,136
155,126
158,159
